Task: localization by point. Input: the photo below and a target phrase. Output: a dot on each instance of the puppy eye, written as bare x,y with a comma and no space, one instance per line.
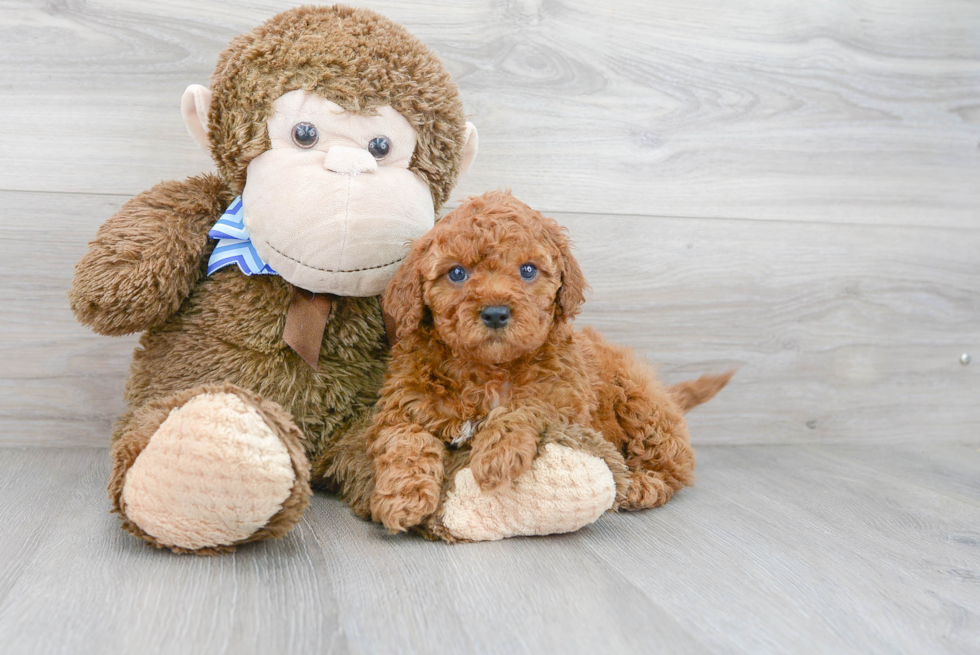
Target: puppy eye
456,274
305,135
529,271
379,147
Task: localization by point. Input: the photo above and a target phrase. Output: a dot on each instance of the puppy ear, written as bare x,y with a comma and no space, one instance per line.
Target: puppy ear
402,299
571,293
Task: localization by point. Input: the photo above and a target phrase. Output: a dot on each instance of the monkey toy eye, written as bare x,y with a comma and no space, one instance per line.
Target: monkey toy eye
379,147
305,135
529,271
457,274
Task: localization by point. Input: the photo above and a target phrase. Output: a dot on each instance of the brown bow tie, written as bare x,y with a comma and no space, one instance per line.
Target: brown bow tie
306,321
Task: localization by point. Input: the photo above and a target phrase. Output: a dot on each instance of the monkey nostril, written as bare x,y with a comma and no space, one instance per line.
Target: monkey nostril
495,317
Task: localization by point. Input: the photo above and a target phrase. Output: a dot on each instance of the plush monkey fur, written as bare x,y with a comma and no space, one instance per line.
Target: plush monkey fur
212,356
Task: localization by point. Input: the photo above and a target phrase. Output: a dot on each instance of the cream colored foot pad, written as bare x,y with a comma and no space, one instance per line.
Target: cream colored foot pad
563,491
213,474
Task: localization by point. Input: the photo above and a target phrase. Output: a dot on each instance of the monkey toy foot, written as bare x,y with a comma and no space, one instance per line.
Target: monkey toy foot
575,478
223,468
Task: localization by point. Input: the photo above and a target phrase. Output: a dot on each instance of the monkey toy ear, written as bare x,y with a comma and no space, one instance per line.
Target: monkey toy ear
194,106
469,150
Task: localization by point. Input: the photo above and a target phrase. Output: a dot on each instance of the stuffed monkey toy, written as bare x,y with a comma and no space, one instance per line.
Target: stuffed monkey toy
337,136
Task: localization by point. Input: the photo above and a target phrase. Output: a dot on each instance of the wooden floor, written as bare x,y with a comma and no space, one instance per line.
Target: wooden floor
788,188
778,549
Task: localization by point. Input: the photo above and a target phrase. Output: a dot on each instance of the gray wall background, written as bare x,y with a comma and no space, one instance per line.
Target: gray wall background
788,187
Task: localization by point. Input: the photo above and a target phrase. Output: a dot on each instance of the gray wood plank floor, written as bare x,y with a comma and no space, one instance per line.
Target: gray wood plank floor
807,548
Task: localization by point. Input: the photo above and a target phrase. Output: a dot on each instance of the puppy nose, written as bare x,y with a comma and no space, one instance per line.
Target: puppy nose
495,317
349,161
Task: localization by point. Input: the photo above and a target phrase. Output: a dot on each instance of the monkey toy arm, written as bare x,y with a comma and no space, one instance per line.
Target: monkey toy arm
145,259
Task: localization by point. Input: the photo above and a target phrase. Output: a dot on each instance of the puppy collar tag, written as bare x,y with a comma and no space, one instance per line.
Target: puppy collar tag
465,434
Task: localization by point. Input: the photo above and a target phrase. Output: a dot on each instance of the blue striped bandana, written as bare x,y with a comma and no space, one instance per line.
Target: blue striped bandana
234,245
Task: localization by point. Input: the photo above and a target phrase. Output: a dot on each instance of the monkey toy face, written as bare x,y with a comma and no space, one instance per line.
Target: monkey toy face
343,135
333,201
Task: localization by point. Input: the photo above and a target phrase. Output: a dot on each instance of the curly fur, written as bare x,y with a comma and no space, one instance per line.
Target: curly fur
450,371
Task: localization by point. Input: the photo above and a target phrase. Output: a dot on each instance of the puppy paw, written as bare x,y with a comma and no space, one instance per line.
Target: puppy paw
501,458
405,506
646,490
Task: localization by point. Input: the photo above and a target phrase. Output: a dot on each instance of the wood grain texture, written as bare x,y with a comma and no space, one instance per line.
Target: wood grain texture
778,549
840,332
817,549
35,487
59,382
863,112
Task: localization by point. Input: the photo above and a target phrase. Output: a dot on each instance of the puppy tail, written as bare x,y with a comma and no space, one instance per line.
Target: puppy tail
692,393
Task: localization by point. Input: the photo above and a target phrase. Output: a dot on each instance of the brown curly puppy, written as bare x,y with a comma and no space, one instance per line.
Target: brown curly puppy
488,359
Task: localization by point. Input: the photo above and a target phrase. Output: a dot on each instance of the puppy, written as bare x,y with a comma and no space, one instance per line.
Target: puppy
487,358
